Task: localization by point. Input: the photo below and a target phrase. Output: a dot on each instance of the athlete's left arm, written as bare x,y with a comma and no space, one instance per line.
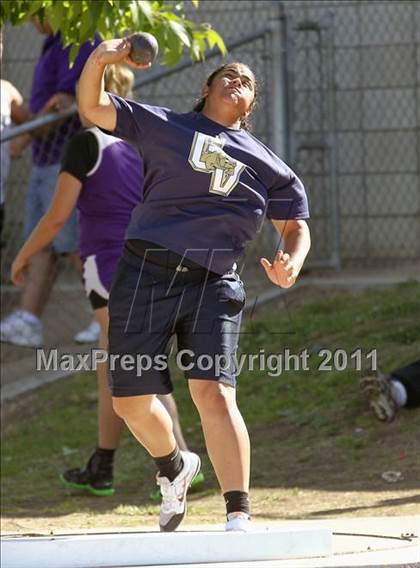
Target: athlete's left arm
64,201
288,262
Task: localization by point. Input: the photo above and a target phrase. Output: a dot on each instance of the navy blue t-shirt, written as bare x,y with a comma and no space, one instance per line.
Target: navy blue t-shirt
207,187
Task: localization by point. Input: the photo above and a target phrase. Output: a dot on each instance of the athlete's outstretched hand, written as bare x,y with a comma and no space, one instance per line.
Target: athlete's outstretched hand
282,271
115,51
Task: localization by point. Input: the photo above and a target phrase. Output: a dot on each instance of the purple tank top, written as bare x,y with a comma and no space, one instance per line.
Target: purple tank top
111,190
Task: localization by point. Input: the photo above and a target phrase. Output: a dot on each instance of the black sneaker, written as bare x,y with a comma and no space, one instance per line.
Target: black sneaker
97,477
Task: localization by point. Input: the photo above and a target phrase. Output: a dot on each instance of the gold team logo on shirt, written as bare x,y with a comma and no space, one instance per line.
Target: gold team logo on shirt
207,155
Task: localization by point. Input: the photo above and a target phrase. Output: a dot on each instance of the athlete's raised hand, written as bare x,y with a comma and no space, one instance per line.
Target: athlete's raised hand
115,51
281,271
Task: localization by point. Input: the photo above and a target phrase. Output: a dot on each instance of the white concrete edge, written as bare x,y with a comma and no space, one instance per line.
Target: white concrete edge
148,549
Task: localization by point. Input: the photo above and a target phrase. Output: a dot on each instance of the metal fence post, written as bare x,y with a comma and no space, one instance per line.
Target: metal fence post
332,144
279,102
279,93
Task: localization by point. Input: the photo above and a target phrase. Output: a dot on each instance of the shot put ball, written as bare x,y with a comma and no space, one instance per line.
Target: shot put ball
144,48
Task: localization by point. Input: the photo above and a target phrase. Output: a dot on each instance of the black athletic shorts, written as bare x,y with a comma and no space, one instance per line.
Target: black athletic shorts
149,303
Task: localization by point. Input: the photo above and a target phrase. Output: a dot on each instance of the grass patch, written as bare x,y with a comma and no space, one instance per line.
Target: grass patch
310,429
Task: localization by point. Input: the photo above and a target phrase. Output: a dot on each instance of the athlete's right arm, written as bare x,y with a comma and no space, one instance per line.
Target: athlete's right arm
94,103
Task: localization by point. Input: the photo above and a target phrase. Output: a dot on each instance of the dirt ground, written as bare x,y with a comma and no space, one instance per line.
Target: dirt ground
268,506
319,484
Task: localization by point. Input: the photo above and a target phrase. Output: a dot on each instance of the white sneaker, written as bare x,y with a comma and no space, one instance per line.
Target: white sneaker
238,522
90,334
174,494
18,329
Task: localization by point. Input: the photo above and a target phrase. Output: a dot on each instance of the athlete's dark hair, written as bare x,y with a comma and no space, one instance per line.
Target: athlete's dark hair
245,121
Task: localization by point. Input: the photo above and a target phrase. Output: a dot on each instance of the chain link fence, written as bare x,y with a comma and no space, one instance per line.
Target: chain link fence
339,99
355,116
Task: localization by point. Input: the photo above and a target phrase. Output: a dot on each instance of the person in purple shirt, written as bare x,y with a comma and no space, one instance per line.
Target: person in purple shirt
102,177
208,186
53,90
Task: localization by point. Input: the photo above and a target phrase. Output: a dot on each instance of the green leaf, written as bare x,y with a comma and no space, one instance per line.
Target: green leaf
160,33
180,31
165,15
213,38
73,53
37,5
146,10
95,9
172,57
135,15
103,29
55,15
78,19
87,29
9,15
18,12
77,9
195,2
198,47
173,43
